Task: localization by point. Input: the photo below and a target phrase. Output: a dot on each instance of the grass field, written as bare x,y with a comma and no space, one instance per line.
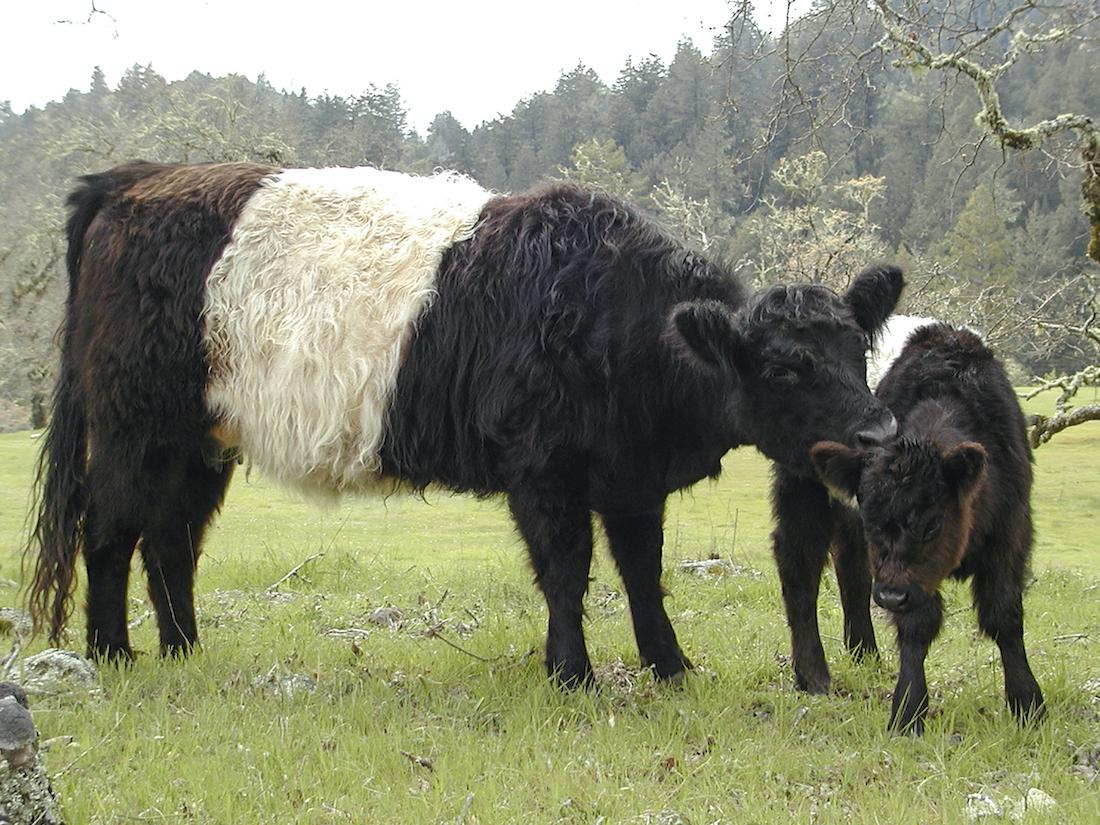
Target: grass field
299,709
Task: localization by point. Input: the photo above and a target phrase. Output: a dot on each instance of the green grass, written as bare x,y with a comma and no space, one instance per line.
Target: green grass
210,740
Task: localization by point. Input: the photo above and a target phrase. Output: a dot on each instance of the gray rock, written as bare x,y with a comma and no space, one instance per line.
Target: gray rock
1034,801
980,806
17,734
26,795
15,622
1039,800
15,691
288,686
54,672
385,616
705,568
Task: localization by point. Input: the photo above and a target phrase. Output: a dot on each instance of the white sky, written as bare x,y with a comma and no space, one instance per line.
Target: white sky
477,58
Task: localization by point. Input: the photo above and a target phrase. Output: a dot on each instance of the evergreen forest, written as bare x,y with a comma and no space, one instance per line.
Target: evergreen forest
799,155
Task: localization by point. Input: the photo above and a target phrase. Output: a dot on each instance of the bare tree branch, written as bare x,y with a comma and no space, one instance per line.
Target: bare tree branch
903,33
1043,429
92,14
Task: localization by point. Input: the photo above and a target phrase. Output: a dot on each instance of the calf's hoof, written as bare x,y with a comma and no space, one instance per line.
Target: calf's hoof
914,727
907,718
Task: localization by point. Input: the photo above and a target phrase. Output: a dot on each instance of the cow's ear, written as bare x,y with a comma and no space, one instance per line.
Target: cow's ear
839,467
873,295
704,332
963,466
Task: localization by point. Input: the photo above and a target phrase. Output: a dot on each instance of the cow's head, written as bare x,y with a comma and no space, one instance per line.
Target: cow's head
795,362
916,502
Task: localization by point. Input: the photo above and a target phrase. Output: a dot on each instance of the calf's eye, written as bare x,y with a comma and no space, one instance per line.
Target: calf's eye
931,531
781,375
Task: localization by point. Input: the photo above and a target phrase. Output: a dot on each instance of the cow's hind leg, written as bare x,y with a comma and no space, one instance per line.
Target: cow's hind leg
557,527
189,491
802,535
112,524
636,543
853,576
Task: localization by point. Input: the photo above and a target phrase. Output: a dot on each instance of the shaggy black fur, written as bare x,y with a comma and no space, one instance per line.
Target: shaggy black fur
949,497
574,358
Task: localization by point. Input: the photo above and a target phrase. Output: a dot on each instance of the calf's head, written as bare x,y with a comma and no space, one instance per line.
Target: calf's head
916,502
795,362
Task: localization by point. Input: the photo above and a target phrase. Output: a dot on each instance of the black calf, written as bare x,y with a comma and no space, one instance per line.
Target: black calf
950,496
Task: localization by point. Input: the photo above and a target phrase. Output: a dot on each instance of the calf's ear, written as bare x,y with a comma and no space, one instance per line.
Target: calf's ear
703,332
963,466
838,466
873,295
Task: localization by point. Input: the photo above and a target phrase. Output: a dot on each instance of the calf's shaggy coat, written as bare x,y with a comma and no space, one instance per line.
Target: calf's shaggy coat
950,496
355,329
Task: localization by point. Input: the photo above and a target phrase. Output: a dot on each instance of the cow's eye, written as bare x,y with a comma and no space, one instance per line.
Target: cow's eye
780,375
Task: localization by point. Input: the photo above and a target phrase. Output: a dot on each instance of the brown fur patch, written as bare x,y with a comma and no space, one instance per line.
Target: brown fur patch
225,187
946,553
225,436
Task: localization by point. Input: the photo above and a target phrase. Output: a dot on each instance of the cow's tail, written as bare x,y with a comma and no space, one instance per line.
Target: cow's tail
59,489
60,504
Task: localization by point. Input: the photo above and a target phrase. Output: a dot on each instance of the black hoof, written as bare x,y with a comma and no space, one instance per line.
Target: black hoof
112,655
671,670
572,677
177,650
814,684
1029,710
914,727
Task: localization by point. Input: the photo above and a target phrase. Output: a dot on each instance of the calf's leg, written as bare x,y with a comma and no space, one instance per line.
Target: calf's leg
853,576
801,544
916,629
999,600
636,542
556,525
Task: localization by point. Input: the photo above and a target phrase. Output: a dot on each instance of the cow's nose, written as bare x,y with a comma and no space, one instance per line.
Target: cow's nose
890,597
873,436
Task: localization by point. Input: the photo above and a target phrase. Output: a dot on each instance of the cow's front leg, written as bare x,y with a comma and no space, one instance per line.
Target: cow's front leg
636,542
916,630
853,577
803,529
556,525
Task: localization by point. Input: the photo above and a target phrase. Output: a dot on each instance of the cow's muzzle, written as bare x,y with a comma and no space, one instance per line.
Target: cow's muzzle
873,436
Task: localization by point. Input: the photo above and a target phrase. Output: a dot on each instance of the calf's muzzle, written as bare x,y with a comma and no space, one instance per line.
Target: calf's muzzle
892,598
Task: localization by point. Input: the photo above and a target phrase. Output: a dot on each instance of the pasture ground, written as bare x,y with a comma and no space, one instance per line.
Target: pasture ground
397,678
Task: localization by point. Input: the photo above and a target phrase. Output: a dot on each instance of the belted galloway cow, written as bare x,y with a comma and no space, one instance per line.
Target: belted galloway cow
349,330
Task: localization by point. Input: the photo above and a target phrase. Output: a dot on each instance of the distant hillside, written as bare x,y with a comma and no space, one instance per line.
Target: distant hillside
891,166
